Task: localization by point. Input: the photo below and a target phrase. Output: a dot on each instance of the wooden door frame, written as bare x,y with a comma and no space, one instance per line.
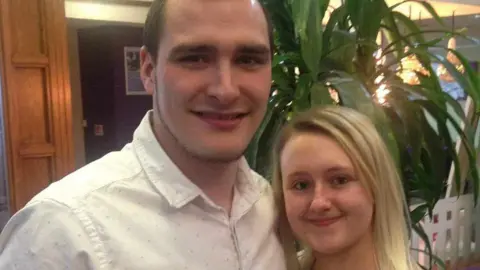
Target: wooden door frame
39,51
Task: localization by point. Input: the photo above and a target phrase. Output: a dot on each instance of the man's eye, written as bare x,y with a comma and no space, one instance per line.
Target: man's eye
250,62
193,59
300,185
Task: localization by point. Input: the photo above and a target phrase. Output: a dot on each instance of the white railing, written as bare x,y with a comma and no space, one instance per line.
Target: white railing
454,231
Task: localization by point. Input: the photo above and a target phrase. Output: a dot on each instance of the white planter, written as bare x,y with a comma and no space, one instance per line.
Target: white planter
454,232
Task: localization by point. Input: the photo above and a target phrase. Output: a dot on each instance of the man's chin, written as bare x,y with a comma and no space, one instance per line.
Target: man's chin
218,156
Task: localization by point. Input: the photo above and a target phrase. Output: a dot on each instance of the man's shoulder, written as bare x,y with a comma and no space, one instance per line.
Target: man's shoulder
96,177
262,186
260,182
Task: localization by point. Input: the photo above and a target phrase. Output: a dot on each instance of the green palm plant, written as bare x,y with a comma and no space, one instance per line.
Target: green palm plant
313,59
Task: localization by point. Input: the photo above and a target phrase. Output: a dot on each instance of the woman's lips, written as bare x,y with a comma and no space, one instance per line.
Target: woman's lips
324,222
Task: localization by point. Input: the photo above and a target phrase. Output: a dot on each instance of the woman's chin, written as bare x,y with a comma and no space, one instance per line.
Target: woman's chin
327,248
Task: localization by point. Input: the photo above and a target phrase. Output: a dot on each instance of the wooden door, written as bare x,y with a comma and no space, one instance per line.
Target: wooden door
36,95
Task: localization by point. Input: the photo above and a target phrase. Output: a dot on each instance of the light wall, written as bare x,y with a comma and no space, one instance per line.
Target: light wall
108,11
464,2
77,113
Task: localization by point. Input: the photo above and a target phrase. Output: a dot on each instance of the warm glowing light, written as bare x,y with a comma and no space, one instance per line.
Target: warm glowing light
382,91
442,72
379,79
379,59
409,67
381,94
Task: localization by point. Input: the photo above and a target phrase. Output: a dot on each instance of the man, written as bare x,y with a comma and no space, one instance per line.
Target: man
180,196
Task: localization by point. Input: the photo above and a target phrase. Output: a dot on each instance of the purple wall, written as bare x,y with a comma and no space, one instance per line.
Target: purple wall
103,88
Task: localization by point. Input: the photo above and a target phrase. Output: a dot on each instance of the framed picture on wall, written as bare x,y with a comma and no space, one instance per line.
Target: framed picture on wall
133,82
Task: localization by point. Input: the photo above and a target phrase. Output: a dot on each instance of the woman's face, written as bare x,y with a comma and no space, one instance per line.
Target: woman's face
326,204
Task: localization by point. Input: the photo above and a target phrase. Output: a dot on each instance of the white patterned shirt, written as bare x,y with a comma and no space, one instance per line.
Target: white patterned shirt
134,210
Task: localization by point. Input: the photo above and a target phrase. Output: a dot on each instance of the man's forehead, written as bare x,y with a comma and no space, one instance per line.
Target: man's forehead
215,23
173,4
191,11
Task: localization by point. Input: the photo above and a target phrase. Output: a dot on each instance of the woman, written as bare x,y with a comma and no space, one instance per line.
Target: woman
339,194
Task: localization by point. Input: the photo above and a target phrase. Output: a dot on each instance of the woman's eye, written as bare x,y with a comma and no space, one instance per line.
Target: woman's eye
300,185
340,180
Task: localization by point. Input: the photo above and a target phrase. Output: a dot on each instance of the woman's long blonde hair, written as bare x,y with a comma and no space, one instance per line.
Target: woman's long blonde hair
377,171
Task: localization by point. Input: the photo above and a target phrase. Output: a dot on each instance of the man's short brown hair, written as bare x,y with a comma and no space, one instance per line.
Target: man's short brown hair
155,21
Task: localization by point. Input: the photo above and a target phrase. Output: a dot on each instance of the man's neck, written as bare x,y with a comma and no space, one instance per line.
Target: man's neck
361,256
215,179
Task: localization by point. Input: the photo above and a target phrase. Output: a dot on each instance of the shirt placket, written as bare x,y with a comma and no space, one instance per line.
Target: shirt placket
233,234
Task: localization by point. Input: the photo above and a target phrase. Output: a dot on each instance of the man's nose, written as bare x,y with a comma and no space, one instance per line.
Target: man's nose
224,90
321,199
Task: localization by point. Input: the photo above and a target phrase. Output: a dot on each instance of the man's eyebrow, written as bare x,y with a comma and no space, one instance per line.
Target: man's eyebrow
193,48
253,49
206,48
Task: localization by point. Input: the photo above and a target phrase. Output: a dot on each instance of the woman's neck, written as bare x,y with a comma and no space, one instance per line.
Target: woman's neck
360,256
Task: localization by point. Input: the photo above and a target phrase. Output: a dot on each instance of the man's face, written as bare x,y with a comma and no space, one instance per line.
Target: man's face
213,75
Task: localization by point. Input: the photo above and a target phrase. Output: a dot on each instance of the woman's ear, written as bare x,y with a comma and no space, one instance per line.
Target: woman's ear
147,70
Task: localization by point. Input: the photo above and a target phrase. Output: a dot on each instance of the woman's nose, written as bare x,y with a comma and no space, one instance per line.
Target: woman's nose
321,199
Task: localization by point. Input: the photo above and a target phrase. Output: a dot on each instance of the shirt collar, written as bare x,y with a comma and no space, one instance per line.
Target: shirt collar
167,178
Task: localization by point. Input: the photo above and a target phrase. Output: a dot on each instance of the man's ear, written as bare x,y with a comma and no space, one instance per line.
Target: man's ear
147,70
